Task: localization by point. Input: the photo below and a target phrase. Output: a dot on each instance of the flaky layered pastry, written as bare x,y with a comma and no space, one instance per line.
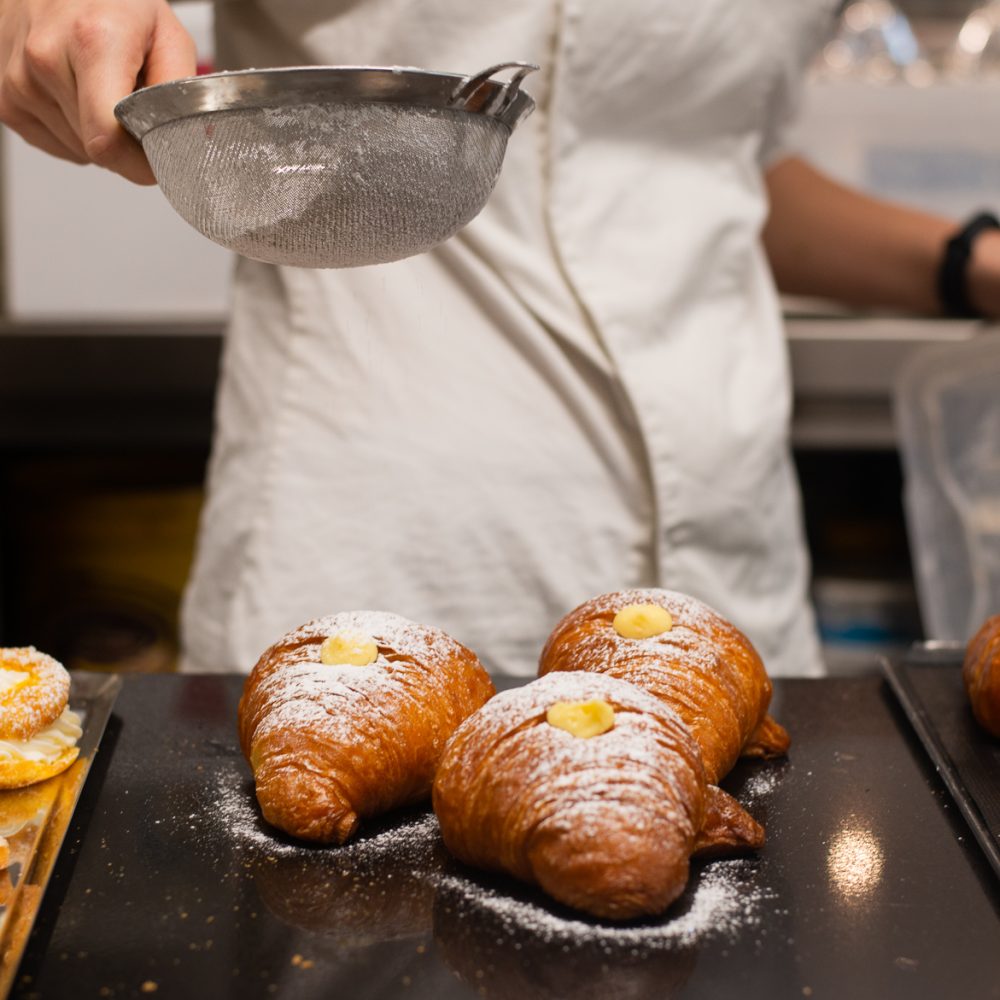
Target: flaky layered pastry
981,675
346,718
597,781
686,655
589,787
38,730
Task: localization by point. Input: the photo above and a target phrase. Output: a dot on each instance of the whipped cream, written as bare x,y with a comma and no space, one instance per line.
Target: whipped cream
46,745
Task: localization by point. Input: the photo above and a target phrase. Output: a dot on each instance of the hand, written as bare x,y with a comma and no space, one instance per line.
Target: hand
983,274
64,64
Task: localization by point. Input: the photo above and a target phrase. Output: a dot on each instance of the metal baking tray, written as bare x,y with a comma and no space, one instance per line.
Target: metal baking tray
927,680
35,820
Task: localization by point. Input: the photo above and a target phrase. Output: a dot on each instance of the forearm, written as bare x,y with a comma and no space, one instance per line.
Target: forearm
829,241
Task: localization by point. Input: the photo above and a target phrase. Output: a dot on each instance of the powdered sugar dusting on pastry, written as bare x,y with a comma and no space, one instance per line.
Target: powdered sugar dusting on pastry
703,666
604,823
307,685
538,696
405,637
37,695
691,617
637,734
333,744
692,639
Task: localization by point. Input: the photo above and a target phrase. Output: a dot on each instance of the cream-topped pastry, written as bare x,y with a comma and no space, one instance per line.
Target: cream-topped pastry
38,730
589,787
346,717
684,653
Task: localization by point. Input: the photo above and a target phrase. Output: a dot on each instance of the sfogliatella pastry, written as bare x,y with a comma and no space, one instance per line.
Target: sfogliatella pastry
688,656
589,787
38,729
346,717
981,675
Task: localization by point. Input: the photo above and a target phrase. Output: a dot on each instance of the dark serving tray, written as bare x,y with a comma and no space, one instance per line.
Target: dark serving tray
170,884
928,683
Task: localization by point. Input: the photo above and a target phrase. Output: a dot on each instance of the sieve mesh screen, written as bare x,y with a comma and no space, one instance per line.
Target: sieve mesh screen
328,185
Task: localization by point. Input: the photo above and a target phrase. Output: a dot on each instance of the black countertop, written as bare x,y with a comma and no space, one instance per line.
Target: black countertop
169,886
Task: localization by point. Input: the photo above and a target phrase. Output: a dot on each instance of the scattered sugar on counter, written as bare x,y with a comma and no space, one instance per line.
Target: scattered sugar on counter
235,810
723,902
761,784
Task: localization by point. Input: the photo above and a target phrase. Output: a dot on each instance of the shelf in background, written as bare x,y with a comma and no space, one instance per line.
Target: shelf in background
844,369
138,386
154,383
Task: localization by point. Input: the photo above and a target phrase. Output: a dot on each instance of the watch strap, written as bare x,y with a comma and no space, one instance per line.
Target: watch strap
953,281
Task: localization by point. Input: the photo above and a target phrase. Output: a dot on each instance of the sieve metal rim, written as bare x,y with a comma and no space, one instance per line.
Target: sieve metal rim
502,101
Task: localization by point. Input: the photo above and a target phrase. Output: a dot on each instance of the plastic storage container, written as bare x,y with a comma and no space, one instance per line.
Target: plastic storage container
948,417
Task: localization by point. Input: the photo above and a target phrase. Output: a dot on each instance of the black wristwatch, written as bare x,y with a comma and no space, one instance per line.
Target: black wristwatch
953,285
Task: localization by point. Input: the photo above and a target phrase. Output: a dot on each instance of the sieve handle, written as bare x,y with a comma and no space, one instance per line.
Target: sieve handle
473,89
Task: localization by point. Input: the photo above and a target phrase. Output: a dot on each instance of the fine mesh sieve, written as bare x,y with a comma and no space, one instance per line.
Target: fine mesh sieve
328,166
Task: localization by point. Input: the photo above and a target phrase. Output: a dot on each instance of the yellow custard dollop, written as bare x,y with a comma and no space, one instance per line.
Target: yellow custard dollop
584,719
642,621
348,649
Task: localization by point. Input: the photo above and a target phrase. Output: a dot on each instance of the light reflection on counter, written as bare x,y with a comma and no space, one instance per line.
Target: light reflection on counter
855,861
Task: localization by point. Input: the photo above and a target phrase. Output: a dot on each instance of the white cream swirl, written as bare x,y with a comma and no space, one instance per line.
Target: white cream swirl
46,745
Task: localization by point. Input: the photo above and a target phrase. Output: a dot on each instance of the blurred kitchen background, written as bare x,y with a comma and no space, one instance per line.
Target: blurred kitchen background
112,311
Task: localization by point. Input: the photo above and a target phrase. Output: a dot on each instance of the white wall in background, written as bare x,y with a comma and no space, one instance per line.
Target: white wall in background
197,17
934,147
81,244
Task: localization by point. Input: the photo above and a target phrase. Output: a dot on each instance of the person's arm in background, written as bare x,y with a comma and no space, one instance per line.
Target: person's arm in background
64,64
828,241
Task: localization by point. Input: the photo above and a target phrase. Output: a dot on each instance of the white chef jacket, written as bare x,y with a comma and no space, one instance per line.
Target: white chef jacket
586,389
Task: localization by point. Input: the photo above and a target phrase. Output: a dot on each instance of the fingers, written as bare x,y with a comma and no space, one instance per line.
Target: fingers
106,62
34,132
25,104
67,68
172,54
45,117
39,81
